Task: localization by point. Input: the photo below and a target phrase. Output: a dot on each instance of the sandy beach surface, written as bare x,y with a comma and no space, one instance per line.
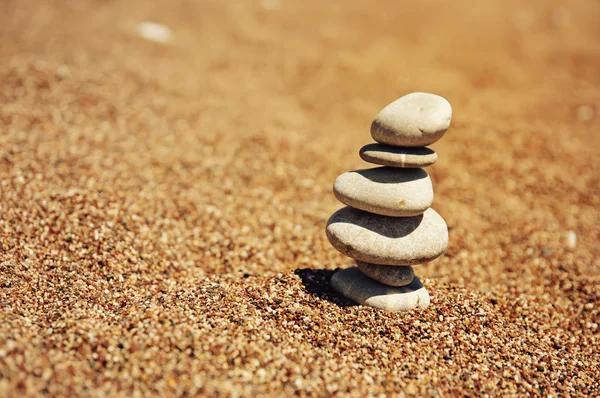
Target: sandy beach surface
165,180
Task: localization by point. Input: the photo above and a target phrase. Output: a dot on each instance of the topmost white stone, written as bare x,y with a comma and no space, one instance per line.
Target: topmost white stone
417,119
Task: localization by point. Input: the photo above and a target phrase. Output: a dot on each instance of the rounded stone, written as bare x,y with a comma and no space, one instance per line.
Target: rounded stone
388,240
394,156
387,274
387,191
356,286
417,119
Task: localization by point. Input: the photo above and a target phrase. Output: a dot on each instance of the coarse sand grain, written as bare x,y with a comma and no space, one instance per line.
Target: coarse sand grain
163,204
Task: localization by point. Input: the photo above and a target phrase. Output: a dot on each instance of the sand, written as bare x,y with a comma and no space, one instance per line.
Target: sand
163,204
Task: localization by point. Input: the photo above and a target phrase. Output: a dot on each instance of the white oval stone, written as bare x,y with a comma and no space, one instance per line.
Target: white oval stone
388,240
395,156
417,119
387,191
391,275
356,286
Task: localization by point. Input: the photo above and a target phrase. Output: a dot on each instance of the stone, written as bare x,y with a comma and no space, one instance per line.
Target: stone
391,275
417,119
385,240
356,286
395,156
155,32
387,191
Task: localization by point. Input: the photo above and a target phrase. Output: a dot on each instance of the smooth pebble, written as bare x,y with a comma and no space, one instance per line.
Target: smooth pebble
356,286
394,156
391,275
387,191
417,119
388,240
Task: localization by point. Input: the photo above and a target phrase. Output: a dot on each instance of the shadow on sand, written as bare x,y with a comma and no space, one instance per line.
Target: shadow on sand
317,283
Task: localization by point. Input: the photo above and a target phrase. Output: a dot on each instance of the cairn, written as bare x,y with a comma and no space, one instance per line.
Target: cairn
388,225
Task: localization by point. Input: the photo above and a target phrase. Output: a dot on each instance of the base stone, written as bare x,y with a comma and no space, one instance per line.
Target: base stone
356,286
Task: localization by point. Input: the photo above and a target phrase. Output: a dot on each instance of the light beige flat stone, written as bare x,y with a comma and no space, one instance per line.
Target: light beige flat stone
388,240
392,275
395,156
387,191
356,286
417,119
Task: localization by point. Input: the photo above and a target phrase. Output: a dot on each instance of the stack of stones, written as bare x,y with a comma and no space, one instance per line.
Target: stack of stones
388,225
